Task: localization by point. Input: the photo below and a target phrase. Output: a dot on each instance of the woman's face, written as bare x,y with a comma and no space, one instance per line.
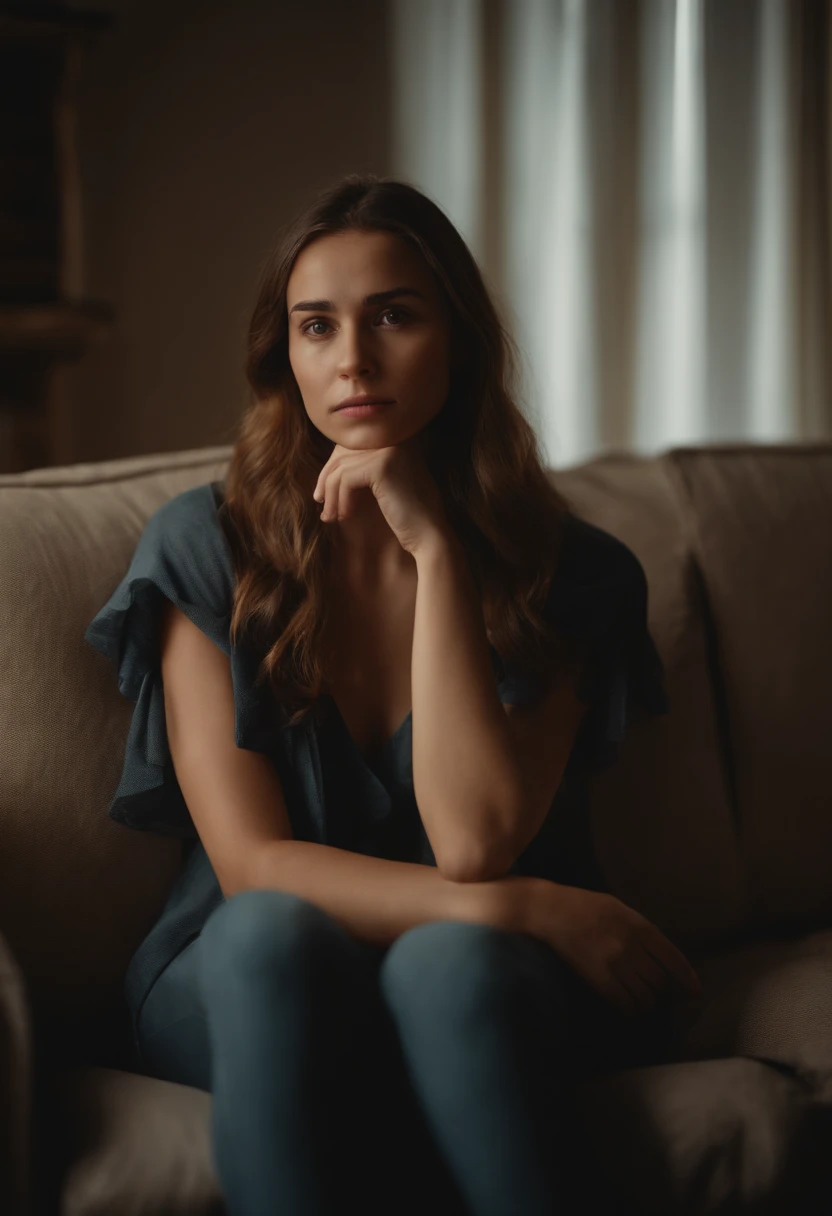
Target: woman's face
341,345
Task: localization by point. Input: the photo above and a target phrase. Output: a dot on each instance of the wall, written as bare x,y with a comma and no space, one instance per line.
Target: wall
204,128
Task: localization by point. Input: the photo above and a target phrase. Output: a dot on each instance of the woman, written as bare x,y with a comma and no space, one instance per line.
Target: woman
372,670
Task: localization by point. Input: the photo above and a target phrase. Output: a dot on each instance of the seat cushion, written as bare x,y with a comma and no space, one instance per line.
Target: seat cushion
133,1145
770,999
740,1119
703,1137
708,1137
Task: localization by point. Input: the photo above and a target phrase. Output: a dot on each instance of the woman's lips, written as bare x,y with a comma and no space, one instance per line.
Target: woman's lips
364,411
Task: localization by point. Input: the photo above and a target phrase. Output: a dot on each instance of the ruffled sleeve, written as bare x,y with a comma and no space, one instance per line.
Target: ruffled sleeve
182,556
597,602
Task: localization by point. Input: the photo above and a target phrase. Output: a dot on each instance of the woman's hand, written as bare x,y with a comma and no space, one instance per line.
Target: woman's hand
618,952
399,479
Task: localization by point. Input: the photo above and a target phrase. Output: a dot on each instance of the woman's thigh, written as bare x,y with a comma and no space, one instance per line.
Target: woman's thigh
380,1115
172,1026
447,966
173,1039
173,1023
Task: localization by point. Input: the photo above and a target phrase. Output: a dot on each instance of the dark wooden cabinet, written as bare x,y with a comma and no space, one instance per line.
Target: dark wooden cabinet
45,321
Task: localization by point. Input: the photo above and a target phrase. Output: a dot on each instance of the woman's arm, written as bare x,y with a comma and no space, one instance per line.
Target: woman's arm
377,900
467,777
237,805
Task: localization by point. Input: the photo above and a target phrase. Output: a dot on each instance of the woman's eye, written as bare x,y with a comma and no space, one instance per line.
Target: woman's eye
307,328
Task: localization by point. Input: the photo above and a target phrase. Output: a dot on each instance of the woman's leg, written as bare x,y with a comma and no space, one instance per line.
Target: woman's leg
276,1010
171,1028
491,1023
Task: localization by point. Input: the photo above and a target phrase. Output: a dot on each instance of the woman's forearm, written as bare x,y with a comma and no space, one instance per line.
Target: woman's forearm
377,900
466,776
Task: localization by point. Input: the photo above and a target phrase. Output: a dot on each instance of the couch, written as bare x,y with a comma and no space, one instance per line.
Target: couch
716,823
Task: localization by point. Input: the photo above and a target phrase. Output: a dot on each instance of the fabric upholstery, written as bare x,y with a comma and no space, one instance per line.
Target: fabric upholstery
712,1136
713,822
664,831
136,1146
77,891
770,998
760,526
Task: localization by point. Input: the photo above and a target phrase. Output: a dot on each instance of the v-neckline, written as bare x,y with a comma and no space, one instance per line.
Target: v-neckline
376,751
379,751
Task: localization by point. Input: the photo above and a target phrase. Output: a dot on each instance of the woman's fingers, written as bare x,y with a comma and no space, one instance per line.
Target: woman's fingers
651,971
674,962
613,991
642,995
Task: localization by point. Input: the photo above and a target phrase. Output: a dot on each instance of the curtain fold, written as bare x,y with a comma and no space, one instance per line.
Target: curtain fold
646,185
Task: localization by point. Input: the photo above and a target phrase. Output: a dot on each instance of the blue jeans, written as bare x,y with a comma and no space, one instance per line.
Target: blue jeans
433,1074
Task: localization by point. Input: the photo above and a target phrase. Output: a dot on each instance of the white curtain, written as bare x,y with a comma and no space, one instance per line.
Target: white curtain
645,184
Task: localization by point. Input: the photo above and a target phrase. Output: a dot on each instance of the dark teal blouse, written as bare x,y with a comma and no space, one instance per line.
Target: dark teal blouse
333,796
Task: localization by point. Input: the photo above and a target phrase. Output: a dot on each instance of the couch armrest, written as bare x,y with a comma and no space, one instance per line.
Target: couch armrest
16,1088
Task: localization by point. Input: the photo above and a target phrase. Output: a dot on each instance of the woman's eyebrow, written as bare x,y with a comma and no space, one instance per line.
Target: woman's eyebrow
377,297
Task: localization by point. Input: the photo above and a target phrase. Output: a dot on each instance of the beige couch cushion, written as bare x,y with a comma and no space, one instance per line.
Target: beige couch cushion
665,835
771,999
711,1137
134,1146
760,524
706,1137
78,892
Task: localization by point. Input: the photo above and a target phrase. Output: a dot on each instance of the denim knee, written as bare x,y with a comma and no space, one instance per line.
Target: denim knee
260,933
468,965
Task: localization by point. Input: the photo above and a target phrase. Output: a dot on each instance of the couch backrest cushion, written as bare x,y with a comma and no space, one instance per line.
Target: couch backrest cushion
760,524
77,891
665,834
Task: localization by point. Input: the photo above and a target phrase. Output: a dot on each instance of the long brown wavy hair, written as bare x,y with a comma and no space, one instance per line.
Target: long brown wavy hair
481,451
